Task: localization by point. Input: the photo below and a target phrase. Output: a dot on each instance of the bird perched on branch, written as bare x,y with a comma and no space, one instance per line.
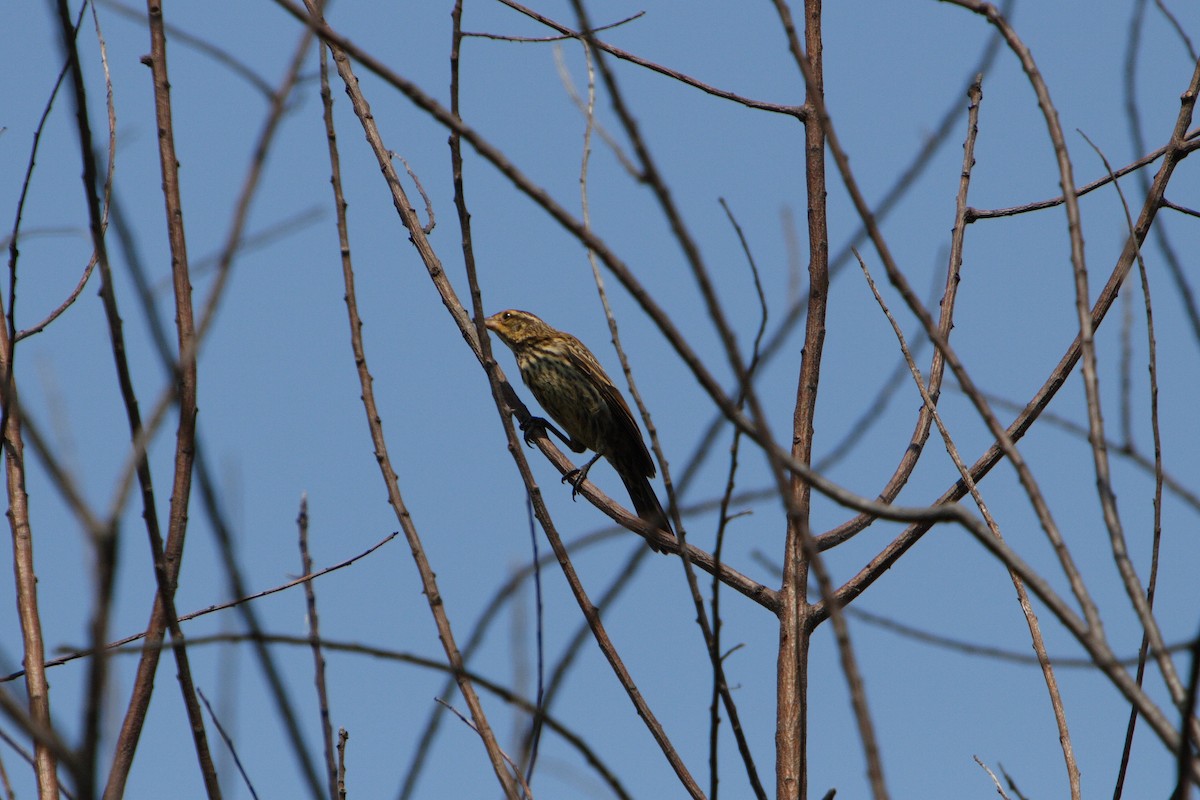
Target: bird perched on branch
569,383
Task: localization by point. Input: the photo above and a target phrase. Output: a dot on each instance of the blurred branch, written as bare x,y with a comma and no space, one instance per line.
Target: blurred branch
199,44
1170,255
572,738
229,744
103,538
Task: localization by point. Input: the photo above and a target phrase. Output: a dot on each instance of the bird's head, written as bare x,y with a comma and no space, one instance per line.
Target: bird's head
514,327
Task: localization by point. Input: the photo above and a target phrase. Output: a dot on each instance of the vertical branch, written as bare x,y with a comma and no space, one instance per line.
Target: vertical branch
181,281
794,631
801,551
34,659
341,769
337,776
167,557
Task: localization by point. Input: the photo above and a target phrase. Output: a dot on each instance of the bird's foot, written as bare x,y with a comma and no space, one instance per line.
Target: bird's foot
577,476
532,426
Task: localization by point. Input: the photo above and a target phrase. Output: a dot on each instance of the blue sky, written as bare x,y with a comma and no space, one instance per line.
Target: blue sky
280,413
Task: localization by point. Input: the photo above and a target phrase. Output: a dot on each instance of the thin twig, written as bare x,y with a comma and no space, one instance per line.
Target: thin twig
516,770
314,634
974,214
589,33
542,39
1191,212
992,775
343,737
229,744
120,643
529,750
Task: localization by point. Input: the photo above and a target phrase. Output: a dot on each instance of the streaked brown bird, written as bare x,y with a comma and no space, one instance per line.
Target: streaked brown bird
569,383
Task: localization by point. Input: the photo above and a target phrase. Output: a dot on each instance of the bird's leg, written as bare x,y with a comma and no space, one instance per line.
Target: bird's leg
576,477
534,423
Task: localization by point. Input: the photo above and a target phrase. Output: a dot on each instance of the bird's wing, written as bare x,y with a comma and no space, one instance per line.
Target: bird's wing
585,361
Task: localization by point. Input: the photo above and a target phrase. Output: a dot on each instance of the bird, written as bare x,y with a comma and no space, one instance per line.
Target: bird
571,386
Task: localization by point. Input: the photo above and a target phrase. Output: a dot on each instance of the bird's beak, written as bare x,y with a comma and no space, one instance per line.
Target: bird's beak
492,323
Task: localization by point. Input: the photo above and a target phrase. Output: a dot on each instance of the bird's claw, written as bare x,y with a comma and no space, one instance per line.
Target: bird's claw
576,478
531,426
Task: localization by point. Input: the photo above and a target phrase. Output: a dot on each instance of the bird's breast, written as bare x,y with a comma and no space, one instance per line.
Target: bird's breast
569,395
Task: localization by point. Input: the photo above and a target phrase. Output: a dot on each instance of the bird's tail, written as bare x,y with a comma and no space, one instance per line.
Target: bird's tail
645,503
